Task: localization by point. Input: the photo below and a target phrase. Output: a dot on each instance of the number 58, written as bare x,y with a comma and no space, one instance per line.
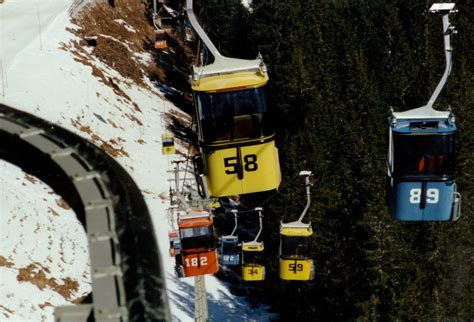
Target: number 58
249,164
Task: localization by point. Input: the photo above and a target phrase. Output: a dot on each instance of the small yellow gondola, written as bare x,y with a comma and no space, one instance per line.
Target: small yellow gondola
253,268
168,144
296,263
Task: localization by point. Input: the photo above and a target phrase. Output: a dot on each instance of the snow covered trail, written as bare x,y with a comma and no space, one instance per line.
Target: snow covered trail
25,23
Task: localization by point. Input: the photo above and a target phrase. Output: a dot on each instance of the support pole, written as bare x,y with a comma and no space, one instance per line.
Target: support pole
201,313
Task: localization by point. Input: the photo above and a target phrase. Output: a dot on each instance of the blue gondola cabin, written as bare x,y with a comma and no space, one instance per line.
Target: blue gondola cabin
421,161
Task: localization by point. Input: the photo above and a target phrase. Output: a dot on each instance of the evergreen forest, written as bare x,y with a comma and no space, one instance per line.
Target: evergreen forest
336,68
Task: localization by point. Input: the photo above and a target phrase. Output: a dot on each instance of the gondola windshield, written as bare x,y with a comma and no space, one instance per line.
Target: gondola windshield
295,246
231,115
250,257
424,156
230,247
168,141
198,237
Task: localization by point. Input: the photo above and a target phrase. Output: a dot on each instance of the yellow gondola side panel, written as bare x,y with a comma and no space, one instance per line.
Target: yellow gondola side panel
296,231
260,169
168,150
293,269
253,272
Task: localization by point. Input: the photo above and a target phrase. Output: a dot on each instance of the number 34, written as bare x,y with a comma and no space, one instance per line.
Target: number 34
432,195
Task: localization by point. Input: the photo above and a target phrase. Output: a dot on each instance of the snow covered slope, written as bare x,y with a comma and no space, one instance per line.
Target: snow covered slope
44,259
50,72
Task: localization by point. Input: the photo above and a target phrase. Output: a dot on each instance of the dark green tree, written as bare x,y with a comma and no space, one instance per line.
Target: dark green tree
336,67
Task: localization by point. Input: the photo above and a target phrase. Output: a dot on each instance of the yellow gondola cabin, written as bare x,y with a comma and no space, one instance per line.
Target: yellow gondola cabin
253,268
168,144
296,263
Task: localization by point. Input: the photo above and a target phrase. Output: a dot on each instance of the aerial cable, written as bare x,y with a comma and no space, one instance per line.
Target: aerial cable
187,155
197,52
282,187
204,63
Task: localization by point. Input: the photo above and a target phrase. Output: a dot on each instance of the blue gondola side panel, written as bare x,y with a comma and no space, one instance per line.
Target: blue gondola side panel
428,201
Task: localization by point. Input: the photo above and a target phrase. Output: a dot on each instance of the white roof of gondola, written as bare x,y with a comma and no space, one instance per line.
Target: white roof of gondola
227,65
435,7
422,113
296,224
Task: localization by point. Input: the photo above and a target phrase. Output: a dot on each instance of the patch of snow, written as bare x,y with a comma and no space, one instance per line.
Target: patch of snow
144,58
43,247
125,24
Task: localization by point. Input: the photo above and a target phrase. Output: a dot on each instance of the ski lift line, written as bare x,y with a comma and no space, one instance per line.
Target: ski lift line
179,194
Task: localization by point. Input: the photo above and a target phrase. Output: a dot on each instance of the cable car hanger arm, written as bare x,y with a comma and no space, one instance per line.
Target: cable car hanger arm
445,9
234,211
260,216
201,33
221,64
308,193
